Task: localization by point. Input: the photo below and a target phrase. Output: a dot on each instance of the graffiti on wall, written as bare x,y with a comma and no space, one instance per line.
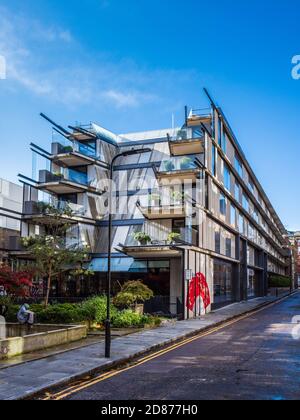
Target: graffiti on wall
198,288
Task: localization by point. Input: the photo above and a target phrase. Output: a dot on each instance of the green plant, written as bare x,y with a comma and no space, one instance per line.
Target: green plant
94,309
132,293
142,237
129,318
177,196
280,281
173,237
182,135
68,149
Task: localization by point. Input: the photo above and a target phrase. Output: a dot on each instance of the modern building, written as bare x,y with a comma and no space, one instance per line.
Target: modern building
210,234
11,205
294,238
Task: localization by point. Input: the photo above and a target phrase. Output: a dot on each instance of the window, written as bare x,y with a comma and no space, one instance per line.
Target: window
238,166
223,204
251,186
224,142
220,133
241,224
197,133
227,176
218,242
245,203
228,247
214,160
237,192
233,216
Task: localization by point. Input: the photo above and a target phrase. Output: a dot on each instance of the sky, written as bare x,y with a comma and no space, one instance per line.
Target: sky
130,65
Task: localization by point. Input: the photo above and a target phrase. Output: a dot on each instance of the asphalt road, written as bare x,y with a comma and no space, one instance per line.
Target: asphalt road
256,358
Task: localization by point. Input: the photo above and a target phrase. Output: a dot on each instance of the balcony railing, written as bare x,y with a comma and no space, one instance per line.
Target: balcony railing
179,164
33,208
77,147
186,134
67,175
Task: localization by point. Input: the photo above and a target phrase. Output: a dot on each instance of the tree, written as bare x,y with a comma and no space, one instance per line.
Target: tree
16,283
132,293
52,257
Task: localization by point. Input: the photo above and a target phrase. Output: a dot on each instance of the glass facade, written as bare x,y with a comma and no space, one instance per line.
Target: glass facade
223,283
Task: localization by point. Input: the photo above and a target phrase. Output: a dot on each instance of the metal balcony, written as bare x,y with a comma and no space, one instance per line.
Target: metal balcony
180,169
187,142
199,116
42,214
75,154
188,237
68,182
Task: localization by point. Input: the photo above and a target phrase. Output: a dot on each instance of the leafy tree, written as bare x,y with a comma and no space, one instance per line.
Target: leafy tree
52,257
132,293
16,283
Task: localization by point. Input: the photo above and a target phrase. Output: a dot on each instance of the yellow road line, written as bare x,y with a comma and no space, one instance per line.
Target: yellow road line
103,377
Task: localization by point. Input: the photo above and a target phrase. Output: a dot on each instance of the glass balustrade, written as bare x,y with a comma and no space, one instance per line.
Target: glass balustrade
179,164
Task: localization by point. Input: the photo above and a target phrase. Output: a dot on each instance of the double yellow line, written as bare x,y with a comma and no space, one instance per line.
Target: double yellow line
103,377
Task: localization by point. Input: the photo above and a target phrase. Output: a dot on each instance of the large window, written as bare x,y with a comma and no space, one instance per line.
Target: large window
218,242
232,216
223,283
214,160
227,178
245,203
238,166
241,224
237,192
222,204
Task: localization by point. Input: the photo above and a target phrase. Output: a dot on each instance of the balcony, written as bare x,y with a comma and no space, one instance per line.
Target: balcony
199,116
180,169
162,249
175,206
68,182
75,154
50,214
187,142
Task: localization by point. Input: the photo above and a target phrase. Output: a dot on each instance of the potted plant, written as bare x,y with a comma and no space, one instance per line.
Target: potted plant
177,197
173,237
154,200
68,149
186,163
169,166
133,295
142,238
58,174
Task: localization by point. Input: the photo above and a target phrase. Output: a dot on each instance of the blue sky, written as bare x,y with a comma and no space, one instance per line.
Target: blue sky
130,64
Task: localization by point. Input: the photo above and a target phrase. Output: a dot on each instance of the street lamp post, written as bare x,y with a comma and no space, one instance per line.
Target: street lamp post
108,317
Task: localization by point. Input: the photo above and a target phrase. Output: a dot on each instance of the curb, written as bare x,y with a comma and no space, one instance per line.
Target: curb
125,360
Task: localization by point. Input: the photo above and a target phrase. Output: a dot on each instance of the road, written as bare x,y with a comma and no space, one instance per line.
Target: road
254,359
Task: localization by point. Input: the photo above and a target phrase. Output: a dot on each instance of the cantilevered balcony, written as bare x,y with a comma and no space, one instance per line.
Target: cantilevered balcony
187,141
162,249
50,214
199,116
76,154
68,182
180,169
174,206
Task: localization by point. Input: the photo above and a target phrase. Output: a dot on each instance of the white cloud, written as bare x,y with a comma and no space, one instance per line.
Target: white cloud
47,62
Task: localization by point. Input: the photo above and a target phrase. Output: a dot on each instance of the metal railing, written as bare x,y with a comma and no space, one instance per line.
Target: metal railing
179,163
185,134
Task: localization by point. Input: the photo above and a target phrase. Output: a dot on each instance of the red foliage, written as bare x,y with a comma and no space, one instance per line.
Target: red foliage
16,283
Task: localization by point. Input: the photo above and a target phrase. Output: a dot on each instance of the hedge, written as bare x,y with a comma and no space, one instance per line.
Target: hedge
92,310
280,281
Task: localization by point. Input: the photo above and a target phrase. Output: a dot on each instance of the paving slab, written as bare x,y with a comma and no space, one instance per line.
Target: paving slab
27,379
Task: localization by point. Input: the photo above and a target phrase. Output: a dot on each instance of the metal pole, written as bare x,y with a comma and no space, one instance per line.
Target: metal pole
108,320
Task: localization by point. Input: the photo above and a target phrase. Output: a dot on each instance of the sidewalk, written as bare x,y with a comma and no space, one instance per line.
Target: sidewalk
25,380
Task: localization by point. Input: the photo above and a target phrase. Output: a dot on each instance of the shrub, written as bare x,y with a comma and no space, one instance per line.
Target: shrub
129,318
280,281
132,293
94,309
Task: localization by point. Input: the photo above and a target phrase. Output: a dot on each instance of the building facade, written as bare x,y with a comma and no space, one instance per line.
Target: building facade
294,238
208,234
11,207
